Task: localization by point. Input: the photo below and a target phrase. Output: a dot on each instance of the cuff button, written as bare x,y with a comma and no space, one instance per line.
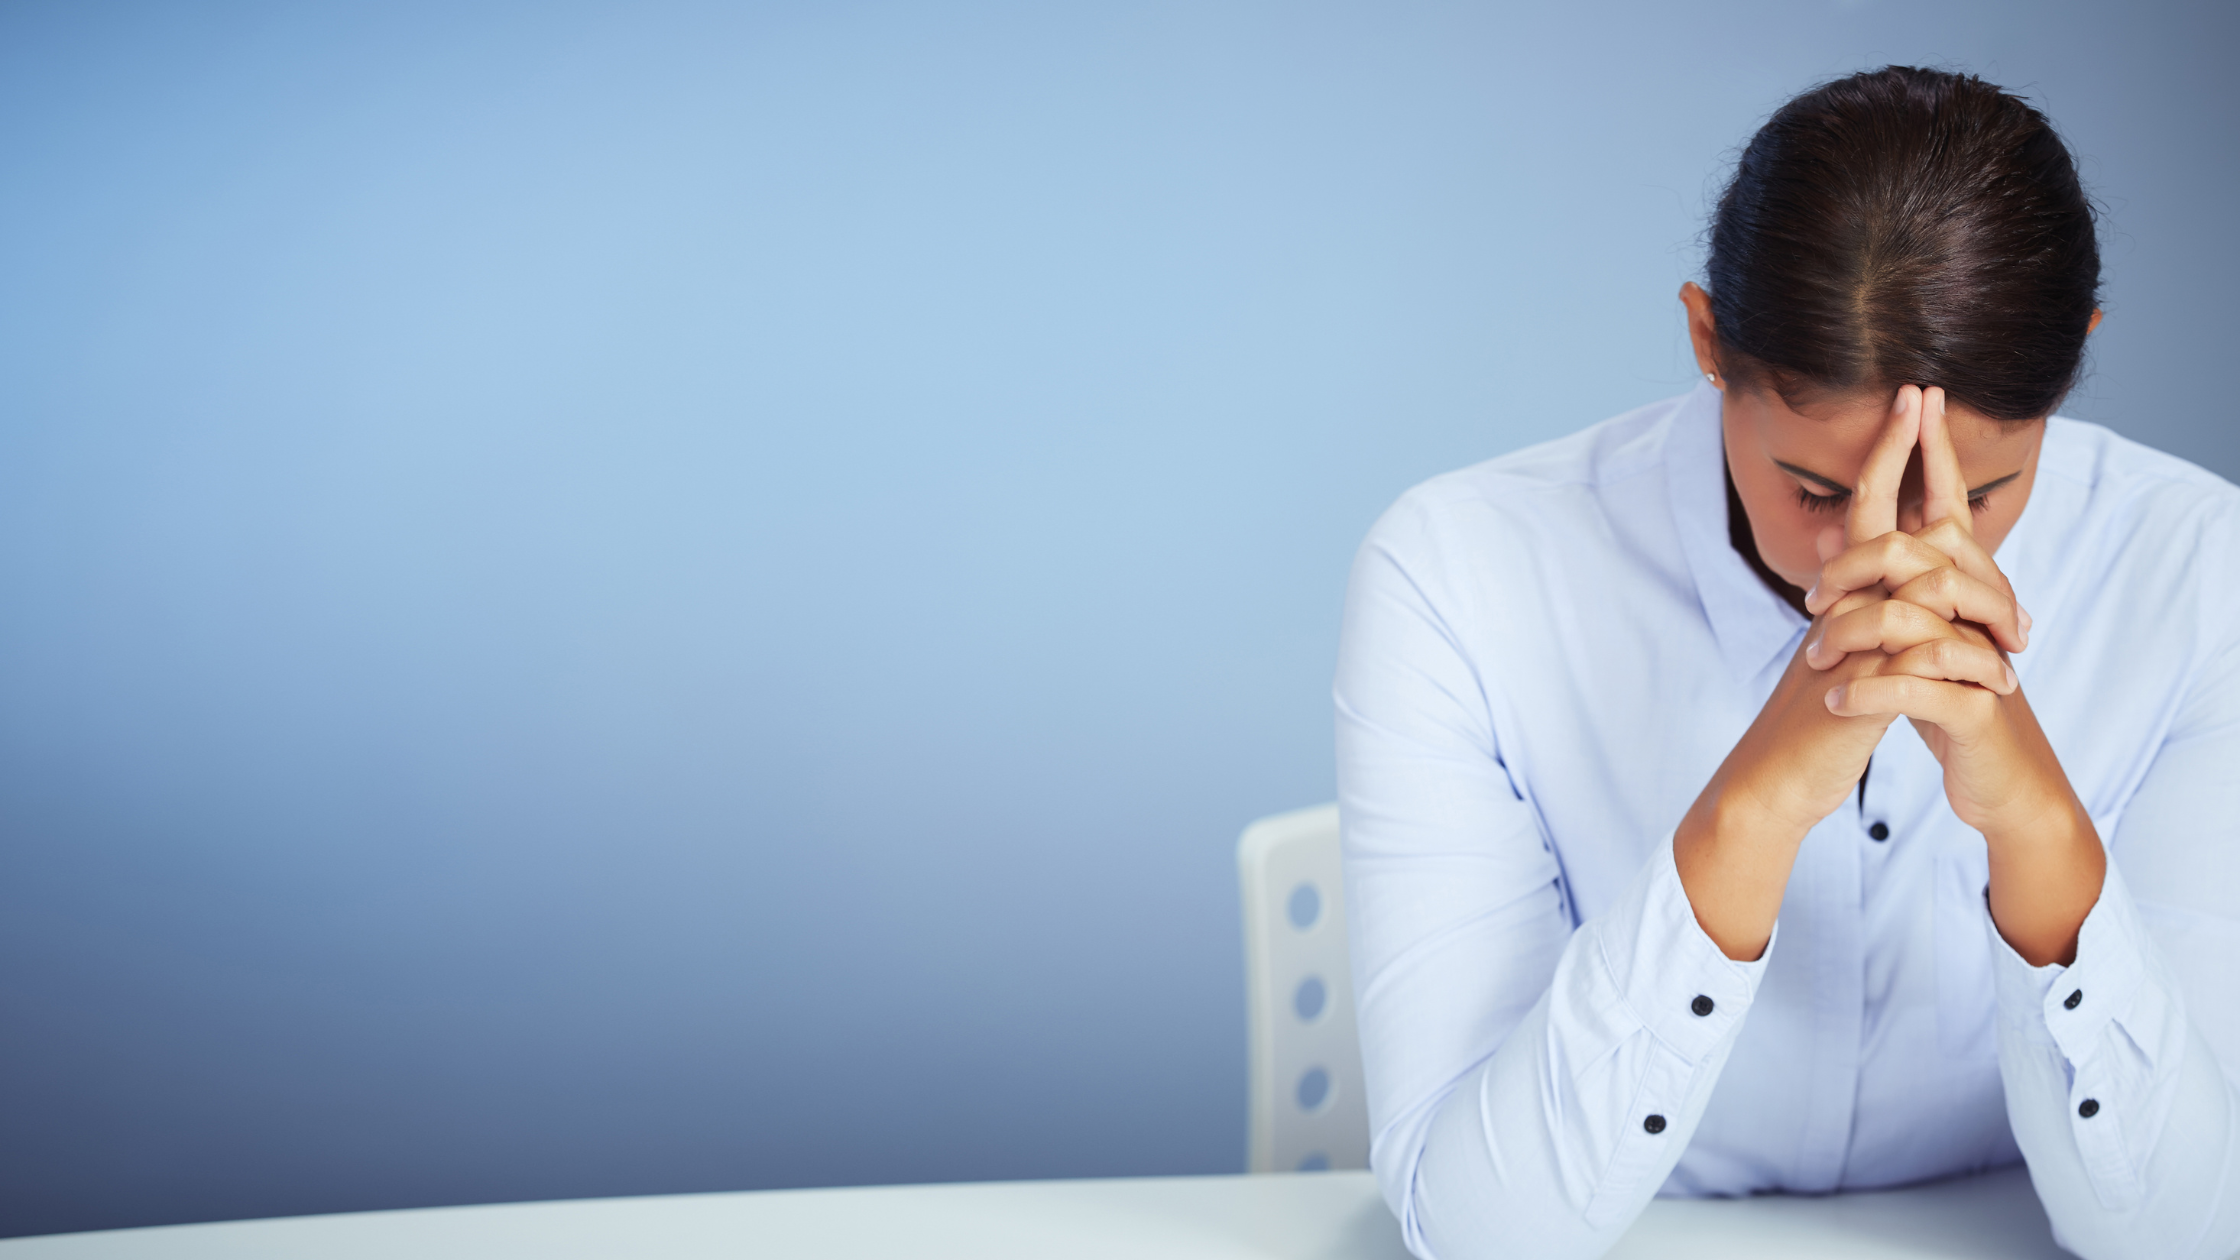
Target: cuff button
2089,1108
1654,1124
2069,1003
1702,1005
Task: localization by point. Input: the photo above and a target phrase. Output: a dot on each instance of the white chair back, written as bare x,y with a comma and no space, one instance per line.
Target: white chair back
1307,1109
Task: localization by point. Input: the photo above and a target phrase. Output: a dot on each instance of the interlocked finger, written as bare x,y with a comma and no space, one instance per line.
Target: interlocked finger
1883,625
1944,489
1956,541
1957,707
1955,596
1874,496
1890,560
1954,660
1897,561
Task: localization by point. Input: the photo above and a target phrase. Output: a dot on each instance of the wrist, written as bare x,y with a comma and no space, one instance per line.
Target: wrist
2039,814
2057,826
1734,857
2046,877
1773,806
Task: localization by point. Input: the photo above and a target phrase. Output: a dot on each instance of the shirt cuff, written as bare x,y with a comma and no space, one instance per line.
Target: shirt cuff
1676,981
2110,1032
2108,982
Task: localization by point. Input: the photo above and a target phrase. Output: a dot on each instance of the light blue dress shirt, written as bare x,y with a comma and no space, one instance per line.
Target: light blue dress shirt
1544,659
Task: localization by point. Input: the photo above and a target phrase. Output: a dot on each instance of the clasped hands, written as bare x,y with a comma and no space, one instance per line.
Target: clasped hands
1917,624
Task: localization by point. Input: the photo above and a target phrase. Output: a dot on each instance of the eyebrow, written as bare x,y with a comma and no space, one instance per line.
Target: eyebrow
1840,488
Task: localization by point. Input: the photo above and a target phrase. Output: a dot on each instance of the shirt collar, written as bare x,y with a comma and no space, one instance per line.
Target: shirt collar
1752,624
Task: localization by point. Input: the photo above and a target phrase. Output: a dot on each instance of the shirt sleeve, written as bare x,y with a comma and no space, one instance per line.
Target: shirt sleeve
2119,1068
1530,1084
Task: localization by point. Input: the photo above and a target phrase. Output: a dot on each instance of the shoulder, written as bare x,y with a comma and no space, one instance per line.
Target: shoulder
2116,470
2132,526
1555,495
2126,496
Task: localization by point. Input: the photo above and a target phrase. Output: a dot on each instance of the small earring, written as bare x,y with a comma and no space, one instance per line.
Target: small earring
1712,378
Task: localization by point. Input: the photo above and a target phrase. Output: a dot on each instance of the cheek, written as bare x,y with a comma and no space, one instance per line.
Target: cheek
1992,527
1787,533
1792,548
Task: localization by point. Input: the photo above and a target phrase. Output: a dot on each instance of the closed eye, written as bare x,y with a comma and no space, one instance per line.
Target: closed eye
1811,502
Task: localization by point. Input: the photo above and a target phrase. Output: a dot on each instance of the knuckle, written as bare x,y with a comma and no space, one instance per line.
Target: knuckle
1935,584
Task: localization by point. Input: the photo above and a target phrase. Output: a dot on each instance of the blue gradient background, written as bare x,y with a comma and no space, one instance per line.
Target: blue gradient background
603,599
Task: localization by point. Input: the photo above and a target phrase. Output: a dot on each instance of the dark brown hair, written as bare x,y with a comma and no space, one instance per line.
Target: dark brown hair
1906,226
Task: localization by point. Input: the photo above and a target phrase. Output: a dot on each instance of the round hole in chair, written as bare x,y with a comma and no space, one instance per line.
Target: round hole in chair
1310,998
1305,906
1314,1089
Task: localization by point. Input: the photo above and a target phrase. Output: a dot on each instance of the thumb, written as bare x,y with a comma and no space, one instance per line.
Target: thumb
1830,543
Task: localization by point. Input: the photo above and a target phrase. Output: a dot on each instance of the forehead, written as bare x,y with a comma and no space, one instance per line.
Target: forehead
1832,437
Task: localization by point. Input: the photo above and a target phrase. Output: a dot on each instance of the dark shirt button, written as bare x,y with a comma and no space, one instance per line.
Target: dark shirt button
1880,831
2070,1002
1702,1005
1655,1124
2089,1108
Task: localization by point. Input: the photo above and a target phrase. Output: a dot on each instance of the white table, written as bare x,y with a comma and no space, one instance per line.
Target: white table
1294,1217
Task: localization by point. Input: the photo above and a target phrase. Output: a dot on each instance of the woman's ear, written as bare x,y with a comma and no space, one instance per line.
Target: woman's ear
1701,332
2094,326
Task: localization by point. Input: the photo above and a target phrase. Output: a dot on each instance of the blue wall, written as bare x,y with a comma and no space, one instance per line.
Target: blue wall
619,598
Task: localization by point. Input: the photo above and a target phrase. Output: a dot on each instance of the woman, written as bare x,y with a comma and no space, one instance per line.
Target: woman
1650,890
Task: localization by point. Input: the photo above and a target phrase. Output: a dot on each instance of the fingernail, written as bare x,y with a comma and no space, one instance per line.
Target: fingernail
2025,620
1834,699
2012,681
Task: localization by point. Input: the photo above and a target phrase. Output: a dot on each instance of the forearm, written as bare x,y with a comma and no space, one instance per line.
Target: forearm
2184,1198
1796,764
1734,859
2130,1127
1552,1146
2046,876
2047,861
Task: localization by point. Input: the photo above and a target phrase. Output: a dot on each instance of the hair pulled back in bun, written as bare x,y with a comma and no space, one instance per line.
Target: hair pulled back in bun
1906,226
